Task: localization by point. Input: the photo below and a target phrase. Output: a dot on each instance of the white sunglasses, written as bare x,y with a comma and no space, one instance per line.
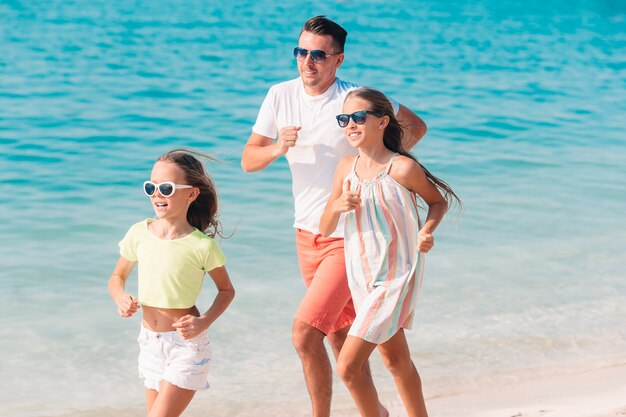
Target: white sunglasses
166,189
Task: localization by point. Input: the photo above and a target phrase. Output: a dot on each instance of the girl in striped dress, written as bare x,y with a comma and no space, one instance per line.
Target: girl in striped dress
375,193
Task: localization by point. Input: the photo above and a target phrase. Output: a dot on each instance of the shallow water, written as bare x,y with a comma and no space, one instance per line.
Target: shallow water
524,105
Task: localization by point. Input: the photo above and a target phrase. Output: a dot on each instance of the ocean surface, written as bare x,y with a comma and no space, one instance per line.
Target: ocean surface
525,104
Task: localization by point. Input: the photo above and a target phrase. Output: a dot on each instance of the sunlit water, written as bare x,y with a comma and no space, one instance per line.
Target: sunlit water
525,106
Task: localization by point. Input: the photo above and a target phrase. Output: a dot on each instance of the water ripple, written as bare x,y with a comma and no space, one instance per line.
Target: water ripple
524,103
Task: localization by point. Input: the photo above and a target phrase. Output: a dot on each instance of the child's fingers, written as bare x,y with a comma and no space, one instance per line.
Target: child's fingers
127,301
133,303
346,186
356,191
182,322
425,243
179,323
424,239
124,313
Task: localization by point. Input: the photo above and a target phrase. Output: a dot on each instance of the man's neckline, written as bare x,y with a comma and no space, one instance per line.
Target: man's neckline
329,91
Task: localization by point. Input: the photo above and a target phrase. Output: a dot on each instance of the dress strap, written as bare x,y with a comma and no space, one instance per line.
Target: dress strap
354,164
388,168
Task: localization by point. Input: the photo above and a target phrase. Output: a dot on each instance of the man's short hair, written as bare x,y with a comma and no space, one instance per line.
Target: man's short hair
320,25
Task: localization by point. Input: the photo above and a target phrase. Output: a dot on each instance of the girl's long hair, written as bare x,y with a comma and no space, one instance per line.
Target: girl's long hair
202,213
392,137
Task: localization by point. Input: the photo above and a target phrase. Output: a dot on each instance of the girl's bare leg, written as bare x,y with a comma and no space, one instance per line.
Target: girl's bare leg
353,369
397,358
151,395
171,401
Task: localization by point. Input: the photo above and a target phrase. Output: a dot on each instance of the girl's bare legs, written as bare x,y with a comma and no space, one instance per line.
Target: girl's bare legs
337,340
397,358
151,395
170,401
353,369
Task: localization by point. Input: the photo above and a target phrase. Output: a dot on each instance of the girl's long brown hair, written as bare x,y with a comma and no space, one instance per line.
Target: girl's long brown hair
202,213
392,137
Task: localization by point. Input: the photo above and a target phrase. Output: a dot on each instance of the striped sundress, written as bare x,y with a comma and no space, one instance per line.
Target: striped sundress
383,264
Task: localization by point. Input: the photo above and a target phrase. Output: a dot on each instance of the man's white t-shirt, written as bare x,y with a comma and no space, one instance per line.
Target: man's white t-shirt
319,148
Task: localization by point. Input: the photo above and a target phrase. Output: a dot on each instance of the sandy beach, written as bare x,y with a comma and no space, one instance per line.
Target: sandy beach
590,390
523,303
594,390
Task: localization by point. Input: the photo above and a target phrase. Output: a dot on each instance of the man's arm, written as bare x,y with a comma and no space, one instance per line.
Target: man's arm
414,128
261,151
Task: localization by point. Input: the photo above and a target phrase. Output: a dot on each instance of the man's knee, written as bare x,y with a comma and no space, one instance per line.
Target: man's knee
306,338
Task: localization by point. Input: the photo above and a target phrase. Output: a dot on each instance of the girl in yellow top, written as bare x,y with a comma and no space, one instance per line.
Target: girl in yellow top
173,253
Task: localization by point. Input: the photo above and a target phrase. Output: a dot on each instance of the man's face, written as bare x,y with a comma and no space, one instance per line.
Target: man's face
318,77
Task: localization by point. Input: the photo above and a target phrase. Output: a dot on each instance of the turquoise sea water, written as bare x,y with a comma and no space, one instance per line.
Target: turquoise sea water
525,105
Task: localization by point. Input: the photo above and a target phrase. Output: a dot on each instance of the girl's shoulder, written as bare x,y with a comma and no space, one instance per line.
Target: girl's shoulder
347,159
404,170
137,232
202,241
403,165
140,225
345,165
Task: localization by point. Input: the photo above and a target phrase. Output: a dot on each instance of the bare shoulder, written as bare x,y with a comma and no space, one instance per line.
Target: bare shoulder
345,165
403,165
405,170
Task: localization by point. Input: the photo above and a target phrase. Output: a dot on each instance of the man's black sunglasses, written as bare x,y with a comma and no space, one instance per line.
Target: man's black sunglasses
317,55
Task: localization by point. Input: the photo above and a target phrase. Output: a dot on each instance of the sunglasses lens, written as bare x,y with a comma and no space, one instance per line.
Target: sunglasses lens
149,188
318,56
166,189
359,117
343,120
299,53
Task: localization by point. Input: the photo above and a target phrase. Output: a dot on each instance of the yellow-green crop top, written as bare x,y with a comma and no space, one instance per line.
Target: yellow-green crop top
170,271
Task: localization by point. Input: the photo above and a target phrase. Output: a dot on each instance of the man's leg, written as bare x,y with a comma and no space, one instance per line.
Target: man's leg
309,343
321,312
337,339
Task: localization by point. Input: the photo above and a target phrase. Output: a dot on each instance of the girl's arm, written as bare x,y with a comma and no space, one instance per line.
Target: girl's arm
410,174
190,326
339,201
127,305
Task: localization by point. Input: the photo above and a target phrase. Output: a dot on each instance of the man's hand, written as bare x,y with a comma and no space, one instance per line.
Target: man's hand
287,138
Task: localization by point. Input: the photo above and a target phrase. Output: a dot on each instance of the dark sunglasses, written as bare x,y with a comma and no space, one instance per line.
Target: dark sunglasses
359,117
317,55
166,189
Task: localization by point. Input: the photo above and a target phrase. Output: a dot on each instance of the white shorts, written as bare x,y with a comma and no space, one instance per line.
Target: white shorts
166,356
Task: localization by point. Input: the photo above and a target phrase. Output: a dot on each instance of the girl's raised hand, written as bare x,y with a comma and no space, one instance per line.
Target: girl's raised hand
425,241
348,200
189,326
127,305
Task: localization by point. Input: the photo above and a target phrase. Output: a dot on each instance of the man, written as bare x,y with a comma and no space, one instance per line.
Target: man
297,120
